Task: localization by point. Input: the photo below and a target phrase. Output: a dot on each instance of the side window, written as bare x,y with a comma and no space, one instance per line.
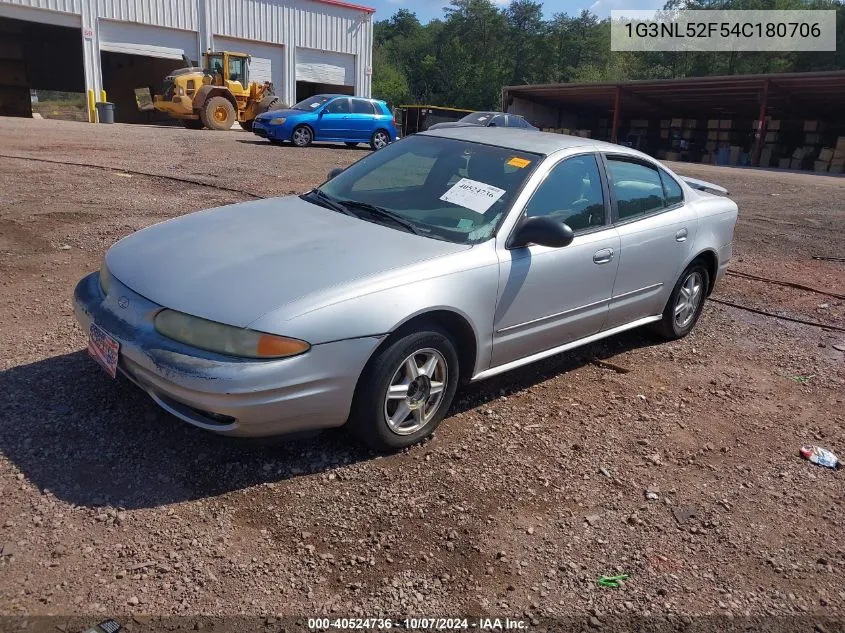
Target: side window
637,187
338,106
571,193
359,106
498,121
671,189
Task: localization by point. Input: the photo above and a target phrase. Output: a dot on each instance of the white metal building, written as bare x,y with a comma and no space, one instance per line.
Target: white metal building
302,46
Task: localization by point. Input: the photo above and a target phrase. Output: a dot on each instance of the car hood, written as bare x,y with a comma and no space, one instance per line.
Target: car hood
445,124
235,264
274,114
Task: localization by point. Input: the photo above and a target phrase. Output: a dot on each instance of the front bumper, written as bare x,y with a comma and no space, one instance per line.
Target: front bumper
270,131
219,393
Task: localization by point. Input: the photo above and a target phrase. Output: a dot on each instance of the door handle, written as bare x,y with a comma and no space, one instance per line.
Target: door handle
603,256
681,235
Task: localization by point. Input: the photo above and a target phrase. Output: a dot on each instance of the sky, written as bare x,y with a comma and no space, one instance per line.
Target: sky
429,9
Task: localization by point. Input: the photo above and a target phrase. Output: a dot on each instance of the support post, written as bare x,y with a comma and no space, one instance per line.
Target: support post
92,110
615,127
761,127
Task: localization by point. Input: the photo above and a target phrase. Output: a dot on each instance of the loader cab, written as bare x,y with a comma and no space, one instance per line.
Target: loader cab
229,69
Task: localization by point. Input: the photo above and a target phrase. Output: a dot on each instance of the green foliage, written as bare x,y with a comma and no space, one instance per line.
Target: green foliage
466,58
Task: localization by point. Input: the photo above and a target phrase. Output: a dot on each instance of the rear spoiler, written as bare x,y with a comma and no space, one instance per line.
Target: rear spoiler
703,185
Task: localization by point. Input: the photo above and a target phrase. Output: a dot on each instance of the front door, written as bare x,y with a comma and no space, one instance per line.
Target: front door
656,229
552,296
333,123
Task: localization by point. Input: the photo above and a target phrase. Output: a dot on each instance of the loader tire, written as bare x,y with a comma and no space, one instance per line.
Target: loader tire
218,114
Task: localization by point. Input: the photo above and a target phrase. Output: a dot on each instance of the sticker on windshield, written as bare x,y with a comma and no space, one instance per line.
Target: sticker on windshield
473,195
516,161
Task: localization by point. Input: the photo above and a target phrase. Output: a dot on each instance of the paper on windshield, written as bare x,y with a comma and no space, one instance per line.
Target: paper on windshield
473,195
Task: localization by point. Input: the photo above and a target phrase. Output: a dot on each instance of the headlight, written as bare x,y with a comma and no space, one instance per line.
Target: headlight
105,279
180,90
225,339
278,121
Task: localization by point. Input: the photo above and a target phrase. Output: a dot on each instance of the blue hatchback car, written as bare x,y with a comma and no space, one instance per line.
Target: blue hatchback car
351,120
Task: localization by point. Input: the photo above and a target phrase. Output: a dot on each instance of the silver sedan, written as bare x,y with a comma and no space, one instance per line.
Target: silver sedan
447,257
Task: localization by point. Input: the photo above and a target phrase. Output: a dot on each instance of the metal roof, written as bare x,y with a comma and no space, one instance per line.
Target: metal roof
348,5
802,95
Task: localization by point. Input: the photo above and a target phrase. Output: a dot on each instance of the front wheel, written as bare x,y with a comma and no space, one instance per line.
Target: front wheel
406,390
218,113
685,303
380,139
302,136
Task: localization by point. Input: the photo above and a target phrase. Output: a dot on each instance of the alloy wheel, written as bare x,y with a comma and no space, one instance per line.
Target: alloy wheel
416,391
689,299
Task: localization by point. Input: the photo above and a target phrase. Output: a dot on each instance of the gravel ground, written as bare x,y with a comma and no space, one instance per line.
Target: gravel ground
679,467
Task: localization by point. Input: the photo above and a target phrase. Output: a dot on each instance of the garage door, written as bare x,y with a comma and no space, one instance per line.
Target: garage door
151,41
266,63
322,67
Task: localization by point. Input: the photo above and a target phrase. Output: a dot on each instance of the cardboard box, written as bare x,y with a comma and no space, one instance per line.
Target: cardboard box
812,139
796,163
783,163
665,123
771,137
820,165
811,126
766,157
639,122
826,154
690,124
713,135
773,125
725,124
710,145
840,144
706,158
677,123
839,154
664,133
712,124
673,156
687,134
724,136
799,153
837,167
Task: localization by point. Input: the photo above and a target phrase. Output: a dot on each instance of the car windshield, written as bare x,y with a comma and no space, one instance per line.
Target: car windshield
440,187
478,118
311,103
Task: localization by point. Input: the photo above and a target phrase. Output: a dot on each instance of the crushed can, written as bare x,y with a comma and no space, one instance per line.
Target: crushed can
820,456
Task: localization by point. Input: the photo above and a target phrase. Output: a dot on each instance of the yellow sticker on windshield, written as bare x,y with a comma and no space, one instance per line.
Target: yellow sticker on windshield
516,161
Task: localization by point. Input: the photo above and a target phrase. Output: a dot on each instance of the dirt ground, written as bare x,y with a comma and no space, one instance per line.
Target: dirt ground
681,470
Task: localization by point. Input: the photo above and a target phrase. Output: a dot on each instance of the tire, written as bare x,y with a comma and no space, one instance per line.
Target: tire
391,424
682,312
351,144
379,139
218,113
246,125
193,124
302,136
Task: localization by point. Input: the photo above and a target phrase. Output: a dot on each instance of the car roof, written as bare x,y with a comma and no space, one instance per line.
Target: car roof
527,140
332,96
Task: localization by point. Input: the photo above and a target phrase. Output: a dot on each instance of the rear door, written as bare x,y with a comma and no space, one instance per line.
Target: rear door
333,122
362,120
657,230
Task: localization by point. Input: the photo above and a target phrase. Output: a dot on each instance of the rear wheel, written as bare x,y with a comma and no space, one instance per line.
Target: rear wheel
193,124
380,139
406,390
218,113
686,302
302,136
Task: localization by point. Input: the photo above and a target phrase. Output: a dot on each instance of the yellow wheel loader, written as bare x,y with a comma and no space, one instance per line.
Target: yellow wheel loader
216,94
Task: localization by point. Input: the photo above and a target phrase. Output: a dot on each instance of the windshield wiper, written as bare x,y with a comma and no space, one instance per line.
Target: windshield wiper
328,201
381,212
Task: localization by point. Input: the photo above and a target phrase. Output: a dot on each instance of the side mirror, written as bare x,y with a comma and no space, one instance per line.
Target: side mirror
542,231
334,171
